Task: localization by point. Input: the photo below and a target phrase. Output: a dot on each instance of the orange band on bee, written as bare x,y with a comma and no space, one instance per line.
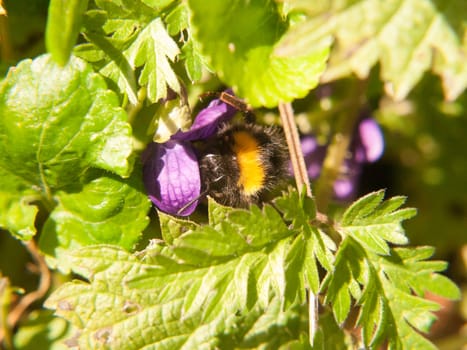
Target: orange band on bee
248,154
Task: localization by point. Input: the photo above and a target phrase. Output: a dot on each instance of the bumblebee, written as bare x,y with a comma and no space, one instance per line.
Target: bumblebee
242,162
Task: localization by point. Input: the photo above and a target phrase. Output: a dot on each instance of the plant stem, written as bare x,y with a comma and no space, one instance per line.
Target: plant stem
133,110
295,149
339,146
301,180
5,42
37,294
5,300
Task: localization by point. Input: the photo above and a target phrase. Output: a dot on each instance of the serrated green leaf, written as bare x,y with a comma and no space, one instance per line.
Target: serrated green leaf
409,271
259,227
173,227
372,313
348,259
185,302
362,207
239,38
271,328
297,207
391,302
407,38
106,210
330,335
60,122
217,213
161,305
301,210
177,19
442,286
374,223
194,61
205,245
310,268
63,27
153,50
407,312
133,37
158,5
388,283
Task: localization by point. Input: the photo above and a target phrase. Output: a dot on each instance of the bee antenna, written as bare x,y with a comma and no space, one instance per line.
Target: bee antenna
202,194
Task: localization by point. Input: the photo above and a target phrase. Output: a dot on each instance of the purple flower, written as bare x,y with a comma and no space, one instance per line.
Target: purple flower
314,154
207,121
369,141
171,176
367,146
171,169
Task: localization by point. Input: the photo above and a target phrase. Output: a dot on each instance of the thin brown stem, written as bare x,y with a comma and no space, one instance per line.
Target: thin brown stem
301,180
6,50
295,149
37,294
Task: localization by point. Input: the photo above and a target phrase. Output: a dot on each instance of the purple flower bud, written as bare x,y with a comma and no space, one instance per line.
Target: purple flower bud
366,147
344,189
171,176
369,141
346,185
314,154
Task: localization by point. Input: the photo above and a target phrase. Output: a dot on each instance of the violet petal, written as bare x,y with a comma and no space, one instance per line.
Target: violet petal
314,154
370,144
171,176
346,186
207,121
344,189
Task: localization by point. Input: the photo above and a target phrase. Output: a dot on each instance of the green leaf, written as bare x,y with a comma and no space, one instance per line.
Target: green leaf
60,122
153,50
239,39
259,228
217,213
330,335
41,330
407,38
347,268
301,211
392,287
194,61
178,23
178,19
158,5
172,227
56,124
63,27
408,270
272,328
374,223
209,286
387,284
17,209
106,210
132,36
